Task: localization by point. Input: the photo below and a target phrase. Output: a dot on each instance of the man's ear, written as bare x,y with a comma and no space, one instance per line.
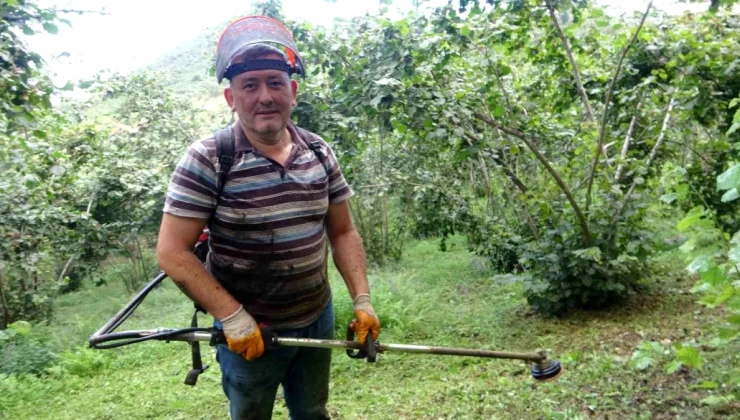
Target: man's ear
230,98
294,88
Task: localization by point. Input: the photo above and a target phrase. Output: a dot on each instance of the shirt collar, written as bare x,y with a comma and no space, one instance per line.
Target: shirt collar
242,143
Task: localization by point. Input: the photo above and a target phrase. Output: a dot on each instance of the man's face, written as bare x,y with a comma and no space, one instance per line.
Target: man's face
263,99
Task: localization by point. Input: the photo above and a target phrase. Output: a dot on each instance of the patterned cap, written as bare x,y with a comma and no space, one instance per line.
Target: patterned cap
251,30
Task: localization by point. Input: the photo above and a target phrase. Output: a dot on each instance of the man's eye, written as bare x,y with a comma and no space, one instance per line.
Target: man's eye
276,84
250,86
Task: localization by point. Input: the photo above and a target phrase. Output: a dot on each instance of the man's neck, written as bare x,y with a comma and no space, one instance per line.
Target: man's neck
277,148
269,145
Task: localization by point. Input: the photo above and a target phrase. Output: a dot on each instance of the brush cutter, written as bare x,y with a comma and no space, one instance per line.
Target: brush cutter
542,367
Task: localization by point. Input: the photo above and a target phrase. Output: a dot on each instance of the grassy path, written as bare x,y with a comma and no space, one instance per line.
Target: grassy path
431,298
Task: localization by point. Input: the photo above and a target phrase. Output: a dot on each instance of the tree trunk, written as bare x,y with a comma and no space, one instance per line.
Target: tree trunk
6,308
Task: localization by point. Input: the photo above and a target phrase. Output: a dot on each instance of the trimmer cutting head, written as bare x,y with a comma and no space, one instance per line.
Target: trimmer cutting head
546,370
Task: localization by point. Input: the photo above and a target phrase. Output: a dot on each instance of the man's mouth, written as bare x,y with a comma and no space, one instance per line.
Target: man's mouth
267,112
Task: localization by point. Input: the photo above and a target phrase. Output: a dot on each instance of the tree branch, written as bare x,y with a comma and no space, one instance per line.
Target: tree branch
706,160
523,137
483,168
607,102
74,256
516,181
512,176
576,75
393,184
651,158
625,149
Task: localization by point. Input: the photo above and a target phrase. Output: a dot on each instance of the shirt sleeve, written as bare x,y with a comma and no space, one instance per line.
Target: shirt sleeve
339,189
193,188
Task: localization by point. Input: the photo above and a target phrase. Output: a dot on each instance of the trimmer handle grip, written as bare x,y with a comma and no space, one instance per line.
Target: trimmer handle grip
368,351
269,337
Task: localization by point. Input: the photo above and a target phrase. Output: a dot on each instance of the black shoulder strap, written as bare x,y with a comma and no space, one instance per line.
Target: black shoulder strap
225,145
316,147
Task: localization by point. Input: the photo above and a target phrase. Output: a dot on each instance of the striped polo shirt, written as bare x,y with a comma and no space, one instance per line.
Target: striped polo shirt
267,242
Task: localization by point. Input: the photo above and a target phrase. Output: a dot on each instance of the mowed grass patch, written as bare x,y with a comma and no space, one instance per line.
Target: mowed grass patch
432,298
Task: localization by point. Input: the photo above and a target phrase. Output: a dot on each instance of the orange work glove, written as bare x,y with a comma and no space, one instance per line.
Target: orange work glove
243,335
365,318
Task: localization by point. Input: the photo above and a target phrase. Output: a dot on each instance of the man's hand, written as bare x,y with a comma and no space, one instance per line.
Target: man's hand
243,334
365,318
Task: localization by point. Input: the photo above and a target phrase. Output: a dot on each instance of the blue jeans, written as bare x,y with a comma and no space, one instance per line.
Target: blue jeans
251,386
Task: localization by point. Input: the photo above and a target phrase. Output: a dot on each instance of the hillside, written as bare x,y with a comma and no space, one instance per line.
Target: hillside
186,70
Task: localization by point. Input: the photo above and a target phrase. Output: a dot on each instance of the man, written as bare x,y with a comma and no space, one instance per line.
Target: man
281,199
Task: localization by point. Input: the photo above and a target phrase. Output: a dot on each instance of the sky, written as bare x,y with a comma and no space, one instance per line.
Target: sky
133,33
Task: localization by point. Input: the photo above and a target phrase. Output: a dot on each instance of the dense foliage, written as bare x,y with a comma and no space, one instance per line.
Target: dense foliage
545,132
76,189
559,115
562,142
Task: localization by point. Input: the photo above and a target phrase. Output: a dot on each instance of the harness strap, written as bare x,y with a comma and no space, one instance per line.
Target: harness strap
225,146
192,377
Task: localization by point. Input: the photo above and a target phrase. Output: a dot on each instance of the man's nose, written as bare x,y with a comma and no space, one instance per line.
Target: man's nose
264,95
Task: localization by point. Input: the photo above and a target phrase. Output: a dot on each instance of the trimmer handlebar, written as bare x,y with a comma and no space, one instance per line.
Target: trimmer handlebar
543,368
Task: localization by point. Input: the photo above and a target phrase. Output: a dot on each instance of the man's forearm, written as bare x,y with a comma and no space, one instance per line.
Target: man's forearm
349,257
195,281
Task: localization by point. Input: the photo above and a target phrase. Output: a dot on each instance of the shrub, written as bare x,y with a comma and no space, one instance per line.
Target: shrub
22,352
562,275
498,243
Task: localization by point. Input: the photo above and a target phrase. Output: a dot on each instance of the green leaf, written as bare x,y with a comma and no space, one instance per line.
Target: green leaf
730,195
668,198
643,363
690,357
499,111
716,400
57,170
465,30
51,28
693,216
734,254
727,294
729,178
7,334
708,385
728,333
733,128
20,327
673,367
736,119
714,276
593,254
504,70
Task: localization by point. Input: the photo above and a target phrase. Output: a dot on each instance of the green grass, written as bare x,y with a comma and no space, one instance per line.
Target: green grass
431,298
